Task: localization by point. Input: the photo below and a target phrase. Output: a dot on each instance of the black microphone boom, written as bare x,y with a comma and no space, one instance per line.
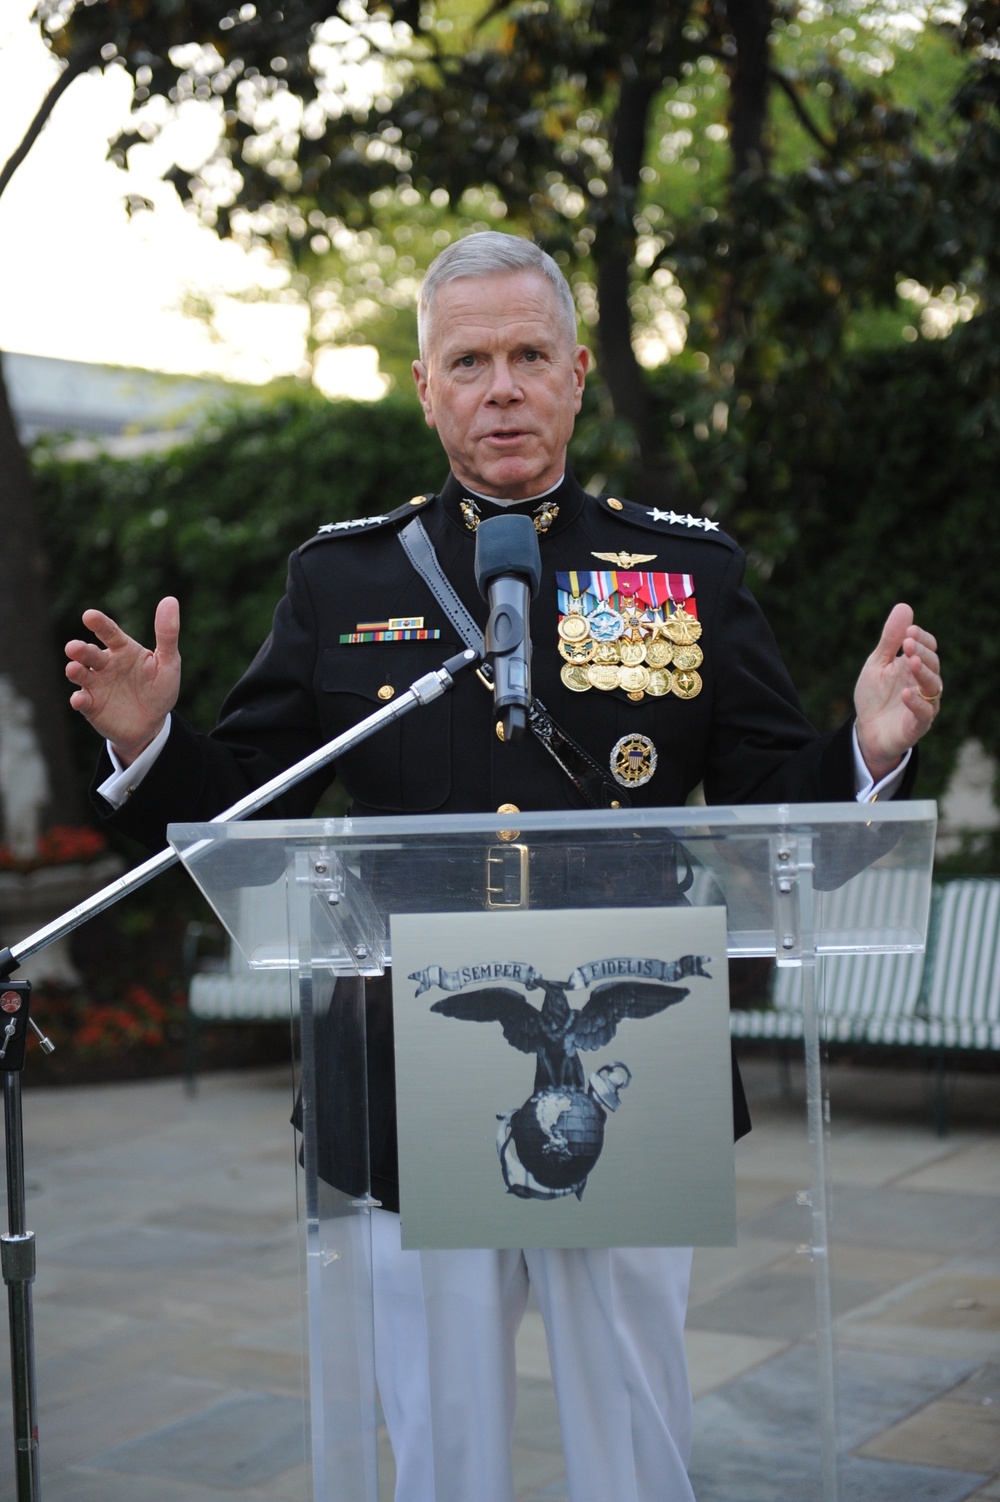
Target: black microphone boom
508,572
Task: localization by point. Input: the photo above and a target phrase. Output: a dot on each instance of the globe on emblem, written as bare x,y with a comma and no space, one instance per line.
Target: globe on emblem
558,1134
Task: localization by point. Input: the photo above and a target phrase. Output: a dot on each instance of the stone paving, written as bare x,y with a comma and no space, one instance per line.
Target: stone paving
169,1318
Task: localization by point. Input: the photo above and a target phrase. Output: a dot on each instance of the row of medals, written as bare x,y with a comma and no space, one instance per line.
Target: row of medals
649,655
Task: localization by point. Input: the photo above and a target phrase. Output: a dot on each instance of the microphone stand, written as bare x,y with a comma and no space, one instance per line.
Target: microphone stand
17,1246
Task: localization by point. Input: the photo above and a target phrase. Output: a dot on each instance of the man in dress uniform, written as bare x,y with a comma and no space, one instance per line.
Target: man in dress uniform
657,672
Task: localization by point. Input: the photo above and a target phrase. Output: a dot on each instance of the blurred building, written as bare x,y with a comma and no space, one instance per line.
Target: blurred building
968,813
119,410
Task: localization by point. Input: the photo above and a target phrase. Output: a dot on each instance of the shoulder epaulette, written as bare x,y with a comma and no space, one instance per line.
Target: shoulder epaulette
661,519
356,524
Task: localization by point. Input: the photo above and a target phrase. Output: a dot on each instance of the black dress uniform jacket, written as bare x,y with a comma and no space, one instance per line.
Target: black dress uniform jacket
744,736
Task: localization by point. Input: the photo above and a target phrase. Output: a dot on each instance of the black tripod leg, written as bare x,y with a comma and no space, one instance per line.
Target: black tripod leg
17,1257
17,1246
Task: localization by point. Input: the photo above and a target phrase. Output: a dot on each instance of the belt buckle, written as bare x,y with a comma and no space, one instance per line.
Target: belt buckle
507,876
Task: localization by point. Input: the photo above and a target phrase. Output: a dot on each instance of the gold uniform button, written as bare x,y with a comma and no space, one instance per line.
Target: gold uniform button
386,691
615,504
508,835
615,803
417,500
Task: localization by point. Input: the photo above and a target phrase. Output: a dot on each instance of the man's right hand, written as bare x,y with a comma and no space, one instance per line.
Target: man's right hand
124,690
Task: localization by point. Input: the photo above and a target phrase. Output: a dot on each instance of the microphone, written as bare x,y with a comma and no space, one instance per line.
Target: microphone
508,571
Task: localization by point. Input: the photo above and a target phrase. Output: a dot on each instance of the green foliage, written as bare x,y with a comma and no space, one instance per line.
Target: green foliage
902,507
765,171
213,521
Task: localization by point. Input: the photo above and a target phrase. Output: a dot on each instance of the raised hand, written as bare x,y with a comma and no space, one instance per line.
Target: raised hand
122,688
898,695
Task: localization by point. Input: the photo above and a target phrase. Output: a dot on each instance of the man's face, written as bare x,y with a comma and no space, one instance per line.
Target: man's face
501,383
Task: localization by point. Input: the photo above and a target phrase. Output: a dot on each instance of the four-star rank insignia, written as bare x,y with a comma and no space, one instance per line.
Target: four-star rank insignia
629,629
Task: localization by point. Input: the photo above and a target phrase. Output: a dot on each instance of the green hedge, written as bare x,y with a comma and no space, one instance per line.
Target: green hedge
213,521
905,505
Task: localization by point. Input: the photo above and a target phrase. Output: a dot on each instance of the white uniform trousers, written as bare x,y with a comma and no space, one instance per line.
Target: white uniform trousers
445,1323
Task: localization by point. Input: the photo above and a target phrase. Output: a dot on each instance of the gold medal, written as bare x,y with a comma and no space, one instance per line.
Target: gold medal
633,678
574,627
659,683
577,651
575,677
633,760
687,658
686,685
683,627
659,654
604,678
632,653
606,654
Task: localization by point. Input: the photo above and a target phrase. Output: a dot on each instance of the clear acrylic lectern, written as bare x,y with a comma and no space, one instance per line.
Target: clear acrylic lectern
318,898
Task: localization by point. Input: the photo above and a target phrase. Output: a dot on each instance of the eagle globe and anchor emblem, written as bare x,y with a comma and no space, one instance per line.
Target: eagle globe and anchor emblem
549,1145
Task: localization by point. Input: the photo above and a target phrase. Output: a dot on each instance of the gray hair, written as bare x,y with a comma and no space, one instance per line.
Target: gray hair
490,253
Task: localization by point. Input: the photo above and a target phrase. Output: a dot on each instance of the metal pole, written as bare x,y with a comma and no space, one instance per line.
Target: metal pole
793,894
817,1111
17,1254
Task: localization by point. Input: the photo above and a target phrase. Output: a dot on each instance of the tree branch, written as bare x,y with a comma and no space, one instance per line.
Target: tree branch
73,69
458,72
805,119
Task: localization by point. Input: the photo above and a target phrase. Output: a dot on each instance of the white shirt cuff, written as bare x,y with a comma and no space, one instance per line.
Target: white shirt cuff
124,780
866,789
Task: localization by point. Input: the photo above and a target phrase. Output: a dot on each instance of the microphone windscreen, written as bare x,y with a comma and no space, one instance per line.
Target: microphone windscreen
507,545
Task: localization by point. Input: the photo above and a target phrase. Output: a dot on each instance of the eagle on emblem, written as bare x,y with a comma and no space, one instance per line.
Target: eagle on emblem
555,1031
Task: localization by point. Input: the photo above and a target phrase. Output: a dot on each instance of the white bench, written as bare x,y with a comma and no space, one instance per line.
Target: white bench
239,994
944,1002
959,1006
863,997
230,992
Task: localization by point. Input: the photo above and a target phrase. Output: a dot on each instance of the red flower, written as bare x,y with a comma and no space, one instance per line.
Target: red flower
138,1021
60,845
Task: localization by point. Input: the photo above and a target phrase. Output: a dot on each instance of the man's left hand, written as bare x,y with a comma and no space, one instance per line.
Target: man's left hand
898,695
